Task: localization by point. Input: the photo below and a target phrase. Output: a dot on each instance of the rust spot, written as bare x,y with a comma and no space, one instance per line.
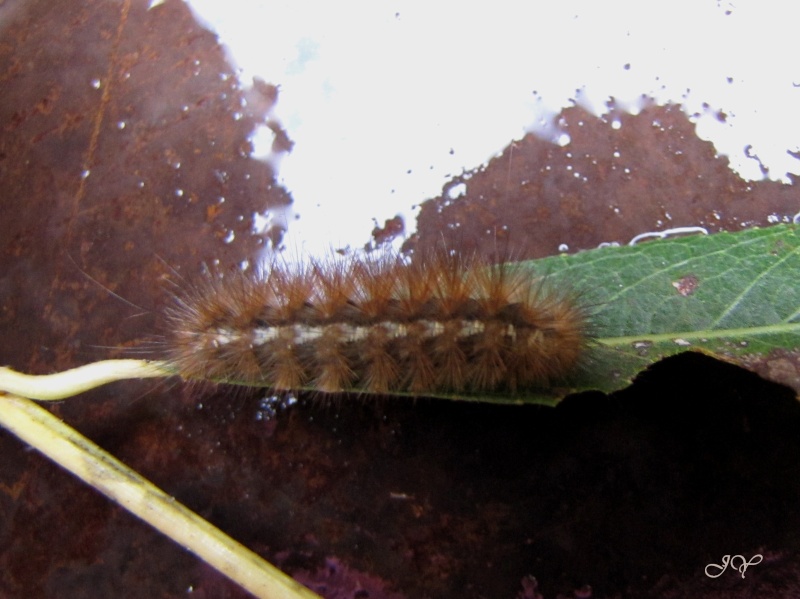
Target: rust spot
686,285
213,211
392,228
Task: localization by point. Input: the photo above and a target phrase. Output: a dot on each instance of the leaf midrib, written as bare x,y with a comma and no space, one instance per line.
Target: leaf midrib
784,327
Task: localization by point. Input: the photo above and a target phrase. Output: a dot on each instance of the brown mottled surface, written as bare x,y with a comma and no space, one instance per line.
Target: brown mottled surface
650,174
780,365
123,144
631,495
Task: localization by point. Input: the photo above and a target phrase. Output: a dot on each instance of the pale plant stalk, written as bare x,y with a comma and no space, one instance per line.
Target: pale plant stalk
74,452
51,387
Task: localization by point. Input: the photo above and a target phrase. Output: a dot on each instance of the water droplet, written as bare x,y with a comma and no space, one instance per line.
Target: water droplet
456,191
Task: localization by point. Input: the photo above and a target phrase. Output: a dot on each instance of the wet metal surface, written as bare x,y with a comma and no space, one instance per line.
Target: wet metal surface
122,130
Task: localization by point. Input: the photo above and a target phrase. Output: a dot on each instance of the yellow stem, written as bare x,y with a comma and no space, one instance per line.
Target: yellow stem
50,387
71,450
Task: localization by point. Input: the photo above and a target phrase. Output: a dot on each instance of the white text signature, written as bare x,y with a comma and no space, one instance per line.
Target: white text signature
732,561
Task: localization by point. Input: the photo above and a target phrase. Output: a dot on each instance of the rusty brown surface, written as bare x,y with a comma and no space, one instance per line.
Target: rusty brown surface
124,144
780,365
607,185
631,495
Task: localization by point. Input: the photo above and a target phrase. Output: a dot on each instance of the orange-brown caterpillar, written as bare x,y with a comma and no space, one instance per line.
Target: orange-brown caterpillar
436,325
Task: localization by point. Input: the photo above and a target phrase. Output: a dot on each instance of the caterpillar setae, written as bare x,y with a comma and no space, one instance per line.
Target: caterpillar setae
444,323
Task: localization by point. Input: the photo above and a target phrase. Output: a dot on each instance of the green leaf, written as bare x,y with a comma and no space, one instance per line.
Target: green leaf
735,296
732,295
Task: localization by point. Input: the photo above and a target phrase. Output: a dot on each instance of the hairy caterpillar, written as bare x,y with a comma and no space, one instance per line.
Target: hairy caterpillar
441,324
